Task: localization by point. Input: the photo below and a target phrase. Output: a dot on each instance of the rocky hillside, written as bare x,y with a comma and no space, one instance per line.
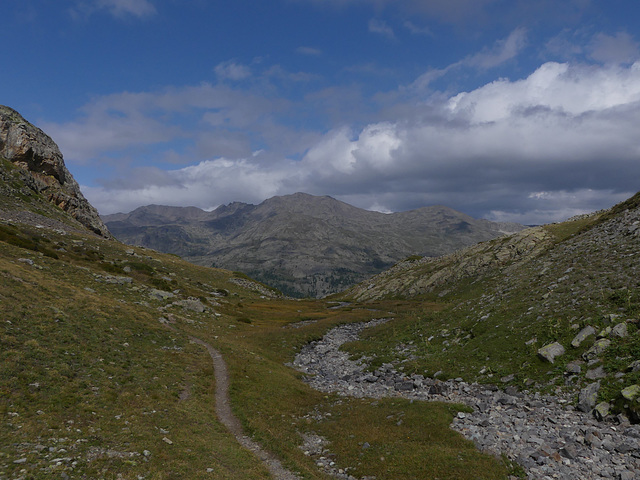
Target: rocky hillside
42,171
302,244
553,307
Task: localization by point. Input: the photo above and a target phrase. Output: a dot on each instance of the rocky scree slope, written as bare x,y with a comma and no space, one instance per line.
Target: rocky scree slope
552,308
302,244
45,173
542,433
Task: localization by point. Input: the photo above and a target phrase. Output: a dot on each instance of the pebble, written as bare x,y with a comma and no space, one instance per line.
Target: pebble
542,433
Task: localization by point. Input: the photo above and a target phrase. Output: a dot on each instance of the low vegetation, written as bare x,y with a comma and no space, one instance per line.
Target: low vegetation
94,384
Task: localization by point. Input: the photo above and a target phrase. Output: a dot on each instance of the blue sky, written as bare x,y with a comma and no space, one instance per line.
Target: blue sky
504,109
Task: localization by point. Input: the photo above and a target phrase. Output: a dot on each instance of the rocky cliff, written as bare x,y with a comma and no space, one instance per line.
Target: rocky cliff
34,152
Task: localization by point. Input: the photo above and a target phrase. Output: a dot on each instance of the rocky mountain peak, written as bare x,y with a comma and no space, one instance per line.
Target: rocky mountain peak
29,148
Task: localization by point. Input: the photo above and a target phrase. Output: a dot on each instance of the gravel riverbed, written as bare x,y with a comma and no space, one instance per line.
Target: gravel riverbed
543,433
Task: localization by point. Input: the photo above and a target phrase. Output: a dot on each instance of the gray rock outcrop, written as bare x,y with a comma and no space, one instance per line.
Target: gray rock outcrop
29,148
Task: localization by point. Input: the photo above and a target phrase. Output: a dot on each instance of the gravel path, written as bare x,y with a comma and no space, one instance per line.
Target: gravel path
229,420
543,433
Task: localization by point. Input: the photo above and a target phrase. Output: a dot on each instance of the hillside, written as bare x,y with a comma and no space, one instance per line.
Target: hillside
573,285
106,367
302,244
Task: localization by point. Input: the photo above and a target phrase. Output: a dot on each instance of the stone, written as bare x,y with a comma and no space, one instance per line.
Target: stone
634,366
620,330
582,336
630,393
588,396
542,432
404,386
573,368
569,451
598,347
596,373
602,410
550,352
193,304
160,294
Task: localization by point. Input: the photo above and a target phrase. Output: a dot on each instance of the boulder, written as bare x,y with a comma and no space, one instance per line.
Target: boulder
631,393
598,347
582,336
193,304
160,294
550,352
620,330
602,410
588,396
596,373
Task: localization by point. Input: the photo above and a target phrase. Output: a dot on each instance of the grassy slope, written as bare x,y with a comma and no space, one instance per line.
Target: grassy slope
491,324
90,379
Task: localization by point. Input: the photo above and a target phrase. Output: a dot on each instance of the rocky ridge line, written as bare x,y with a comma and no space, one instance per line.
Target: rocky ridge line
33,151
543,433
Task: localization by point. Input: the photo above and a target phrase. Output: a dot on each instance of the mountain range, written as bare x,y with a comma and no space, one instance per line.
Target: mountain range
302,244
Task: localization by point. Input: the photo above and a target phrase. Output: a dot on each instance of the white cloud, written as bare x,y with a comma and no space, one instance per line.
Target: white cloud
568,130
309,51
232,71
416,30
502,51
381,28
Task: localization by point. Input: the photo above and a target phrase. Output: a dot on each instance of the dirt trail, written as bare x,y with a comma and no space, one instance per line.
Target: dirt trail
229,420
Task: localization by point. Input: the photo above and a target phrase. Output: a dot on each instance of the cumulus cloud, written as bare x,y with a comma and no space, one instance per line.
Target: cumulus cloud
561,141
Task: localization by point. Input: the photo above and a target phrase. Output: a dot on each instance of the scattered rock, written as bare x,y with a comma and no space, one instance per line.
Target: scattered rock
602,410
598,347
551,352
582,336
596,373
588,396
160,294
193,304
620,330
544,434
631,393
573,368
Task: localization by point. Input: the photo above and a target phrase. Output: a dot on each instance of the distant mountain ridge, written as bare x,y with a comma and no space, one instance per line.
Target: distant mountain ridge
304,245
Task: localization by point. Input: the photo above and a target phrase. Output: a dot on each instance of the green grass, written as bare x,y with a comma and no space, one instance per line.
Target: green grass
88,372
